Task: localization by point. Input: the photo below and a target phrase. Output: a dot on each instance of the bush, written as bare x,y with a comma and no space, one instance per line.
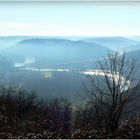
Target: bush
23,115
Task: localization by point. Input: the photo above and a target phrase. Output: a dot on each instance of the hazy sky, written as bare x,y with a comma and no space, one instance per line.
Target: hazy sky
68,19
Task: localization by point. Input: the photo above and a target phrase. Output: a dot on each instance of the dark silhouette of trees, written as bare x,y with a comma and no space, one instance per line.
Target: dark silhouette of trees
24,115
111,89
59,112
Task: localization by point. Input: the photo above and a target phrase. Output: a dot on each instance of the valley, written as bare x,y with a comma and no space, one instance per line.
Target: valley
54,67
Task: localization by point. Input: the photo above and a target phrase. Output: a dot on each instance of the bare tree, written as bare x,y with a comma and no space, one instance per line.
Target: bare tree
111,87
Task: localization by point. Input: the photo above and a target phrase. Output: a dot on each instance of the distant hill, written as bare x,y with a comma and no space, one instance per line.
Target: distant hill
60,49
116,43
134,54
136,38
6,41
5,62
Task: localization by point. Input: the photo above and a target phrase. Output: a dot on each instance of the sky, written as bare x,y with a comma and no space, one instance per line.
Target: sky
68,19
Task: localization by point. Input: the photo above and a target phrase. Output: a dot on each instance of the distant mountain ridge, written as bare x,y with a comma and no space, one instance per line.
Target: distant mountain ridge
114,43
58,49
134,54
65,51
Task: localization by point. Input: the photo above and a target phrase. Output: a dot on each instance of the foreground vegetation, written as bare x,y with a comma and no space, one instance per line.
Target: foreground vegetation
23,115
106,111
